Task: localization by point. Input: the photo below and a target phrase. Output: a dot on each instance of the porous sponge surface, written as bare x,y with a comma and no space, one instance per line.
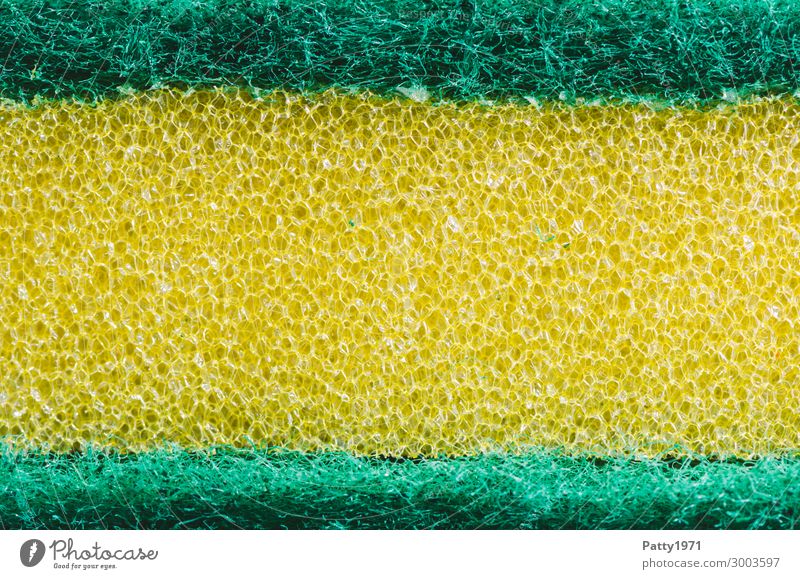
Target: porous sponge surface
377,276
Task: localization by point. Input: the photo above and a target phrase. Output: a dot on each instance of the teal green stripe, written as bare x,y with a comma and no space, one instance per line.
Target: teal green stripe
664,49
259,489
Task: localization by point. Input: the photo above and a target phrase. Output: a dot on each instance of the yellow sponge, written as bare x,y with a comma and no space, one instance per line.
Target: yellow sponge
381,276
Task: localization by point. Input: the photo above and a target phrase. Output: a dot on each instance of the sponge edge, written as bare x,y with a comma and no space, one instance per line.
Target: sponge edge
348,272
668,50
223,488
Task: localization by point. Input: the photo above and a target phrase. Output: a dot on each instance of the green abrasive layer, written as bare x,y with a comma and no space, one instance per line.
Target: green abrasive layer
668,50
260,489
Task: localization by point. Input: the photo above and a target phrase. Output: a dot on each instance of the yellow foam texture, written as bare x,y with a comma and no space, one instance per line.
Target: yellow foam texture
386,276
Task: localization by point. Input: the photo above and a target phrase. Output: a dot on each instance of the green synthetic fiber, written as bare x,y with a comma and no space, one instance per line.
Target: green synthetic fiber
676,51
225,488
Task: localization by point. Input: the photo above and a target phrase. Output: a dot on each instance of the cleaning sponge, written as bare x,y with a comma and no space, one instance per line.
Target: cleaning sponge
383,276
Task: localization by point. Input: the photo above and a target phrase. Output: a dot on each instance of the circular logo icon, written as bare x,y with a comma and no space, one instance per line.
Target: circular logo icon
31,553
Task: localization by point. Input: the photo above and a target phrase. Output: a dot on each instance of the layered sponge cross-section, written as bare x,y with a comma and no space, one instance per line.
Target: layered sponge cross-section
403,278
